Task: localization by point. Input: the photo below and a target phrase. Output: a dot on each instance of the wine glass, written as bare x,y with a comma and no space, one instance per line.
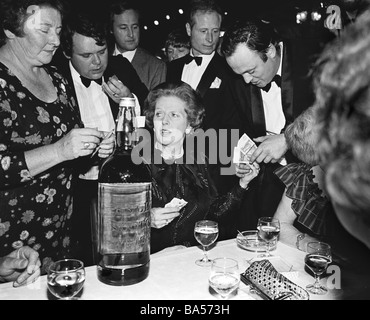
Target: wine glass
317,259
268,230
206,233
224,277
66,278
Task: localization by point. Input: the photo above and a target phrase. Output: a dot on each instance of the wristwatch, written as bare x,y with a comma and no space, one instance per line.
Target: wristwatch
300,237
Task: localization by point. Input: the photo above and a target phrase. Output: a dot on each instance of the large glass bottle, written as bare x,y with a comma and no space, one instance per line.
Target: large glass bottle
124,203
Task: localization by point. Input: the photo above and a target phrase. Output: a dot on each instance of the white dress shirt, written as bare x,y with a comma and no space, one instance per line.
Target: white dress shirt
192,73
129,55
95,111
273,108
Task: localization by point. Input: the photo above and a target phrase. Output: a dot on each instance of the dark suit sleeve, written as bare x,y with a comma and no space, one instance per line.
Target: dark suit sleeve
125,72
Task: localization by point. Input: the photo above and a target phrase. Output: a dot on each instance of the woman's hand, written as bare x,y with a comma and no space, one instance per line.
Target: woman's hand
78,142
247,172
21,266
161,217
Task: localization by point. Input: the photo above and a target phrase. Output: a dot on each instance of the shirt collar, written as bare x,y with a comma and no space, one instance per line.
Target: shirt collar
206,57
129,55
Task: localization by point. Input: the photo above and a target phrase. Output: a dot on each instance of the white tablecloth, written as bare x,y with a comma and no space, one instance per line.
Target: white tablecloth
174,275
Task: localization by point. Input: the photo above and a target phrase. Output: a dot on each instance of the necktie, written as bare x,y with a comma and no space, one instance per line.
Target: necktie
276,79
86,82
189,58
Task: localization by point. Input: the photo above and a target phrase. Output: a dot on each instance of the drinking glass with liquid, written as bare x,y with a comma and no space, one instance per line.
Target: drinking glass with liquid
268,230
66,278
206,233
224,276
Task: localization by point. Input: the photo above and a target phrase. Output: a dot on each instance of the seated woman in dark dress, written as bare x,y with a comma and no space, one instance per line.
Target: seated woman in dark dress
174,111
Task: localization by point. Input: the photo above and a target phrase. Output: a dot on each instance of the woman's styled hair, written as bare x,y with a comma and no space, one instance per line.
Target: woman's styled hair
301,137
342,87
14,13
194,105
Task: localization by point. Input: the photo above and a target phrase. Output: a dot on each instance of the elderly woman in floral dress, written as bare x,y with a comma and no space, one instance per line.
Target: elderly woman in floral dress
40,133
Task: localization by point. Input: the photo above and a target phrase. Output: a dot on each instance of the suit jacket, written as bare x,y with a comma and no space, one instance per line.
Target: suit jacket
151,70
297,95
118,66
210,88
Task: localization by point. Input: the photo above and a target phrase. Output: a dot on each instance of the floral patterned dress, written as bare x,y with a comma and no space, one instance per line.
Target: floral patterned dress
34,211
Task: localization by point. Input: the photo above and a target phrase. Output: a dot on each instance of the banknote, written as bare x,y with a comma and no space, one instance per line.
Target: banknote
244,149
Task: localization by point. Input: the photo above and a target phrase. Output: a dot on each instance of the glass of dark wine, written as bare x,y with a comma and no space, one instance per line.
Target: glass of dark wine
206,233
224,277
268,230
66,278
317,260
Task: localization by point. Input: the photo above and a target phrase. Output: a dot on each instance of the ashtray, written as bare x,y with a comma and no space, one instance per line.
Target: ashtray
250,241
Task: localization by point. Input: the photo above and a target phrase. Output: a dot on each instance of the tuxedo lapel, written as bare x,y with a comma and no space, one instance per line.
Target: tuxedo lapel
174,72
208,76
287,85
257,110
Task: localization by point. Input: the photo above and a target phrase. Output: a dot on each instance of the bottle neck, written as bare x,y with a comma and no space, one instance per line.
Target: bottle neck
125,129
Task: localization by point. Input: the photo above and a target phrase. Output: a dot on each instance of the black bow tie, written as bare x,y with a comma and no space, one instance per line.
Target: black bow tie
189,58
276,79
86,82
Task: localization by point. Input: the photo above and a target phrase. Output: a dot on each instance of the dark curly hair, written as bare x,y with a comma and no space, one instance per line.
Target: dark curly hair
255,34
85,23
194,105
14,13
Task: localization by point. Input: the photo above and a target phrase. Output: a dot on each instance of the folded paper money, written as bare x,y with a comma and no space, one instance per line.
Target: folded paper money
244,149
262,277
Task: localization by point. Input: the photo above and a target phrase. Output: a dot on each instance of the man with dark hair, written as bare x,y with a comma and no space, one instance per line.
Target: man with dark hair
272,89
125,26
99,82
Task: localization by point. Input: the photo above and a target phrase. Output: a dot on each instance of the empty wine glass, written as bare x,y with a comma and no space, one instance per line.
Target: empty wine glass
317,259
224,277
66,278
268,230
206,233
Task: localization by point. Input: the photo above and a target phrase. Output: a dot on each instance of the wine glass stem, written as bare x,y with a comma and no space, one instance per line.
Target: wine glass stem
205,258
268,249
317,281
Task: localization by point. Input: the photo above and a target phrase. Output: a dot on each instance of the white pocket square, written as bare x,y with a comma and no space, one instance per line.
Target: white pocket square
216,83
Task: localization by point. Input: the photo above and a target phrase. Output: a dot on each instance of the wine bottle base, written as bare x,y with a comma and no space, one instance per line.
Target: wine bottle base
123,277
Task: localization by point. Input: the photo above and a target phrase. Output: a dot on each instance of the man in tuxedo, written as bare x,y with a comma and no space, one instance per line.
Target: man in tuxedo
203,68
99,82
125,26
272,89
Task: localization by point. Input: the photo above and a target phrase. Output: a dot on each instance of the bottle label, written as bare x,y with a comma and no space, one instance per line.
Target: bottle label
124,217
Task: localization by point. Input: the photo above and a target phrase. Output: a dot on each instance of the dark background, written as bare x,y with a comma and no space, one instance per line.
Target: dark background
280,12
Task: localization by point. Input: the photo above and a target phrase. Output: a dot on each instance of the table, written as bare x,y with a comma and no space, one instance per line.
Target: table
174,275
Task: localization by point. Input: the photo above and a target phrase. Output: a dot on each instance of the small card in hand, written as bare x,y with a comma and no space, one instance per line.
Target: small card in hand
176,202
